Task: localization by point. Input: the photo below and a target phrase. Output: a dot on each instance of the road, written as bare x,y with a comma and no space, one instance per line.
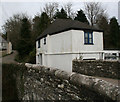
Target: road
10,58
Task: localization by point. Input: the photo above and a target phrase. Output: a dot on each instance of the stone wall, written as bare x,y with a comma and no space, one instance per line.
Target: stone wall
42,83
109,69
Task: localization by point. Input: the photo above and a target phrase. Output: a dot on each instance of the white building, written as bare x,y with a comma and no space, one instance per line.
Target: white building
5,47
3,43
65,40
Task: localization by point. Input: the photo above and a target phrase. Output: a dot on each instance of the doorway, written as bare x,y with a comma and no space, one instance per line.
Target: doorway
40,59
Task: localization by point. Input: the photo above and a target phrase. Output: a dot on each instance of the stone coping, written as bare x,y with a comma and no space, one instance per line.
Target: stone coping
98,85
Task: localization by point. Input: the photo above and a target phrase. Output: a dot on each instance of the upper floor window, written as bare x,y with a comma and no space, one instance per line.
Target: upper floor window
88,37
44,41
38,43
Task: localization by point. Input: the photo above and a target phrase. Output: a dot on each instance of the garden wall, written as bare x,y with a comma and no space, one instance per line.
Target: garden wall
53,84
35,82
109,69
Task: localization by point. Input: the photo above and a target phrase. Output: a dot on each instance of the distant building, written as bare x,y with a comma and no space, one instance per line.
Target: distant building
119,12
5,46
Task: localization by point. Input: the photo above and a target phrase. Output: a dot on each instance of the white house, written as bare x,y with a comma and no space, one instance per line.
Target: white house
3,43
65,40
5,47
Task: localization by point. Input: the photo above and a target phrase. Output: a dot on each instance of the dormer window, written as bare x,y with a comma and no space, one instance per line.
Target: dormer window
38,43
88,37
44,41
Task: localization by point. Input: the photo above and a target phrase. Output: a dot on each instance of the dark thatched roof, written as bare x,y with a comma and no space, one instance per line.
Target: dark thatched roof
60,25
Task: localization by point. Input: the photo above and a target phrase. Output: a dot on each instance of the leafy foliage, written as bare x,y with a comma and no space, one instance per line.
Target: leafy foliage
39,25
114,33
61,14
32,56
24,45
44,22
81,17
104,25
12,28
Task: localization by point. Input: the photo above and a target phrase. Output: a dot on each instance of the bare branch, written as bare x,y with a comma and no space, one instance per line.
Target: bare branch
50,9
93,10
68,8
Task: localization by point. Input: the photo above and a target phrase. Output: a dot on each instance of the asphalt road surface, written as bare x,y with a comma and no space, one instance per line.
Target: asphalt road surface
9,58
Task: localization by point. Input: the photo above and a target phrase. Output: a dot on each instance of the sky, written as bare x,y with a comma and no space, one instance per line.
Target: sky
33,7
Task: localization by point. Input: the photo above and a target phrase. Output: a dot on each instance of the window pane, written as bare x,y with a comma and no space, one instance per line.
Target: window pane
90,35
90,41
38,43
86,35
44,40
114,54
86,40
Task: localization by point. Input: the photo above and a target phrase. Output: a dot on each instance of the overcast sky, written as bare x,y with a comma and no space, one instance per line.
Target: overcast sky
33,7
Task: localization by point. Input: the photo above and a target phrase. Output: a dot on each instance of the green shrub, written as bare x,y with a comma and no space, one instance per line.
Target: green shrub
32,56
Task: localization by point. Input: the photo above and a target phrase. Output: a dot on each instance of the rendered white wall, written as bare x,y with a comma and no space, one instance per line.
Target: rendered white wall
60,61
70,41
60,43
84,56
78,42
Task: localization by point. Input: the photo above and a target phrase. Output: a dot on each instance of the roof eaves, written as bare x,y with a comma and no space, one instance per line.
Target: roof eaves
72,28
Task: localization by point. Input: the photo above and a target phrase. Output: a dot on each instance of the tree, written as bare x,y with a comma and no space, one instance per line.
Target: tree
44,22
114,33
61,14
81,17
12,28
68,8
119,40
93,11
50,9
104,25
36,28
40,23
24,45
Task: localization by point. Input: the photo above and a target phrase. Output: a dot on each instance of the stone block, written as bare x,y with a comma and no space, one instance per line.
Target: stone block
62,75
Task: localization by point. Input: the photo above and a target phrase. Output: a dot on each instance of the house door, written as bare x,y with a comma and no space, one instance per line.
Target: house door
40,59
